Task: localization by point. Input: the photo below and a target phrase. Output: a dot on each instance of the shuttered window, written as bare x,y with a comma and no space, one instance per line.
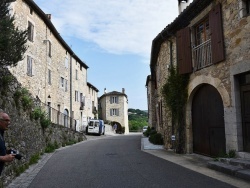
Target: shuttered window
184,54
114,112
217,43
29,65
30,31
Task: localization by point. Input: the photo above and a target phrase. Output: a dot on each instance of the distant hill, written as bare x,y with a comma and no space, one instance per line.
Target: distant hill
137,119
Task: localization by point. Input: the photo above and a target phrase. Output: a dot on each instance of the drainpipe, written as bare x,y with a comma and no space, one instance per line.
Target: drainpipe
70,83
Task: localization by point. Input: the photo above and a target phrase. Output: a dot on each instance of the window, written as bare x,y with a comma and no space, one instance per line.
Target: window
202,32
49,77
66,85
77,96
207,48
113,99
62,82
31,11
76,75
66,62
248,6
30,31
49,48
114,112
29,65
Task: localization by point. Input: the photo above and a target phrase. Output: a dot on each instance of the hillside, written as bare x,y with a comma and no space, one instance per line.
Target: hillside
137,119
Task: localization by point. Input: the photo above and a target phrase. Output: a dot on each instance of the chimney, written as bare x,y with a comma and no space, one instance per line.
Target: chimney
123,90
105,91
182,4
49,16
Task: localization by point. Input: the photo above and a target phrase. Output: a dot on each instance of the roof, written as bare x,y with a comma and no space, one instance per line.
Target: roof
148,80
113,93
180,22
93,87
48,22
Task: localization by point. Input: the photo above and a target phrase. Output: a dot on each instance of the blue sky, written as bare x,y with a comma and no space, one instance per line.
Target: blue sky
113,37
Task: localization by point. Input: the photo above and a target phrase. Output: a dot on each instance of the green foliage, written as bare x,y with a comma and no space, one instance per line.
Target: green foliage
175,96
6,80
12,40
34,159
156,138
232,153
27,102
19,170
51,147
36,113
24,96
137,119
44,121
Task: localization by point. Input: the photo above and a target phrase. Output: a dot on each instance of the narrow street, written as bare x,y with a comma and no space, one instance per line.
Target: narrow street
115,161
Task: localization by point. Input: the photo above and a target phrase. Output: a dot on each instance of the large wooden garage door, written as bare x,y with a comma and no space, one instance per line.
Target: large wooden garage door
208,122
245,104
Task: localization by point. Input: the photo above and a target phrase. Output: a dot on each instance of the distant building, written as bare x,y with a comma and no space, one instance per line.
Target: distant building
113,106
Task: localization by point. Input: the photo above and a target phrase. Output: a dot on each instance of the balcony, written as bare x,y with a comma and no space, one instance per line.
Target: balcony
202,55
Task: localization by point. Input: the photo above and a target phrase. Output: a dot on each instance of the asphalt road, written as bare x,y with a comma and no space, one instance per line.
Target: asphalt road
115,162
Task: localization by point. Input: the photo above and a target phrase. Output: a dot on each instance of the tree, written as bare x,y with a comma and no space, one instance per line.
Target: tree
12,40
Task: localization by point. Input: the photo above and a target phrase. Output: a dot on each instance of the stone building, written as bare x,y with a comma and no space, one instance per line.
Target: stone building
209,41
113,107
50,69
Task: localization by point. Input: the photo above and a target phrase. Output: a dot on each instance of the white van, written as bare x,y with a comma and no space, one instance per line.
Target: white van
95,126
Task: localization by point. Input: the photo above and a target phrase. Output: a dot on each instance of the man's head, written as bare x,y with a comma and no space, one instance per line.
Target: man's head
4,121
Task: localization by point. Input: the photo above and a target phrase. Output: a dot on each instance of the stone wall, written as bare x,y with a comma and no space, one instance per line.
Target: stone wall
26,135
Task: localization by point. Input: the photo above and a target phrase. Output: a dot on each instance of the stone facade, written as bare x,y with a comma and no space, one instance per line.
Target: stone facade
50,70
114,107
224,76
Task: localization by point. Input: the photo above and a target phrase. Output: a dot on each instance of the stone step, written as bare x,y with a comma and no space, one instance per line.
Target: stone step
229,169
244,163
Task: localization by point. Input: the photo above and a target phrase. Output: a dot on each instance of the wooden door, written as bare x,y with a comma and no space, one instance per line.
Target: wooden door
245,104
208,122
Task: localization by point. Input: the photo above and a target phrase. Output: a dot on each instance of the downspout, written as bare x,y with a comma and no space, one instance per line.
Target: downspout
70,105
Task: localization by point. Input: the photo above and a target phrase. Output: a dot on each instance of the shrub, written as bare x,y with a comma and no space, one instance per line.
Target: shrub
146,133
36,114
232,153
156,139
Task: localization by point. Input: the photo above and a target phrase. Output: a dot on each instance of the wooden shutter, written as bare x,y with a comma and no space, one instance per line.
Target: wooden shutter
184,55
217,43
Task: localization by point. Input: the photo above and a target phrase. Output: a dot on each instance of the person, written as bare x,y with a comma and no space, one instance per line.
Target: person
4,157
115,127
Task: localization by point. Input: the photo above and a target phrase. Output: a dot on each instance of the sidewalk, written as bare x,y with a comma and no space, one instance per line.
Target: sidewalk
193,162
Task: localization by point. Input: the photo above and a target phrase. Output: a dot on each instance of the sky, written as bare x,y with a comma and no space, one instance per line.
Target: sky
113,38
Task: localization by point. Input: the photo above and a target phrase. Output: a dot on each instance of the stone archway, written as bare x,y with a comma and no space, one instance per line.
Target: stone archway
208,122
119,127
193,87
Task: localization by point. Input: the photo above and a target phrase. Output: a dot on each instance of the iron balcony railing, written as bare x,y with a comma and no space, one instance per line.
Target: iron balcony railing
202,55
57,117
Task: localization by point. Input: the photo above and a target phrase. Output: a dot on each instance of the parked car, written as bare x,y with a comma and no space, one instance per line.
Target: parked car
144,128
95,127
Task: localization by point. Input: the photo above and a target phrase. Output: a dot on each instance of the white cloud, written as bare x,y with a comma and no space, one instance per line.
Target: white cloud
116,26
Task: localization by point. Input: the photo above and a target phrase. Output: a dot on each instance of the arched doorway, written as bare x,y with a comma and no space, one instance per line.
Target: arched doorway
66,117
118,127
208,122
